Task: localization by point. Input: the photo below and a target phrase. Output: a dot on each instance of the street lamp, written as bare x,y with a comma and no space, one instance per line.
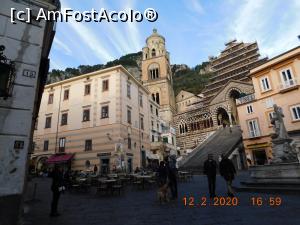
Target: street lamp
7,74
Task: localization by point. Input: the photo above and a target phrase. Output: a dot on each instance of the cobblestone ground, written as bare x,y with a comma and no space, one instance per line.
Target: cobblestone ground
140,207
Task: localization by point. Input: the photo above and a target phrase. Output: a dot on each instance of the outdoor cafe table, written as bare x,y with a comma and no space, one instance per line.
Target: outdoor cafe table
109,182
143,177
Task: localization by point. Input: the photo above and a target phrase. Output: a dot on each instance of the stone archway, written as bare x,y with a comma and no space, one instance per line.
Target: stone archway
41,164
222,116
232,95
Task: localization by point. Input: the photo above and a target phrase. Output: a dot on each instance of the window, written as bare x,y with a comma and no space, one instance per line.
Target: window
50,98
249,109
64,119
151,108
129,142
129,116
105,85
87,89
66,94
46,145
128,91
165,139
88,145
48,122
153,71
153,97
265,84
152,138
104,112
141,100
152,125
142,122
287,78
62,144
156,112
295,112
157,98
86,115
153,52
253,128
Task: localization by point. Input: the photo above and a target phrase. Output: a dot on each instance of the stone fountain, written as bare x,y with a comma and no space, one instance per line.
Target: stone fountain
283,173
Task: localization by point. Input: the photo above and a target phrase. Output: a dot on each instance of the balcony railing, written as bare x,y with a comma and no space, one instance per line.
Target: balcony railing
245,99
254,134
288,84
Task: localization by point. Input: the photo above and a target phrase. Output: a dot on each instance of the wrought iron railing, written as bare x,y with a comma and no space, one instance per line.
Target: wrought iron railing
288,84
245,99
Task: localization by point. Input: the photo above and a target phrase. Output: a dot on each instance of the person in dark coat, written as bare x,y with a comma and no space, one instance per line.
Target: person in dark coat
228,172
210,170
56,188
95,169
162,174
172,176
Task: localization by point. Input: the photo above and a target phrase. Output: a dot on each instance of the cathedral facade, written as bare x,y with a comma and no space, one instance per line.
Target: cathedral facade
198,116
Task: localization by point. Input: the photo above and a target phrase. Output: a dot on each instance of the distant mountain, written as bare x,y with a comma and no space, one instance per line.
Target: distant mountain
184,77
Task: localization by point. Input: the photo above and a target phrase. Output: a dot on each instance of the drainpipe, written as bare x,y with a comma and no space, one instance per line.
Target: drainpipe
139,128
56,135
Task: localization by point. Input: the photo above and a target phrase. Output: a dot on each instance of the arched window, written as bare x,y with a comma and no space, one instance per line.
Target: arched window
185,128
153,53
153,97
157,98
146,56
180,129
153,71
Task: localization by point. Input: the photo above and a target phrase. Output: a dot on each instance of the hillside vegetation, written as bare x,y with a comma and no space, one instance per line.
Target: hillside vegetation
184,78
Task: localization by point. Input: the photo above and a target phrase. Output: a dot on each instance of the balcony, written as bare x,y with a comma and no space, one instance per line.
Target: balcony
288,85
245,99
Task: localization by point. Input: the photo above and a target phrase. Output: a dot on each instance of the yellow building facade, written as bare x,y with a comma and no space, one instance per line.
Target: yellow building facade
102,118
275,82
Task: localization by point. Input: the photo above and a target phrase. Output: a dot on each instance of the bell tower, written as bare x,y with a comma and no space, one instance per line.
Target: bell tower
157,76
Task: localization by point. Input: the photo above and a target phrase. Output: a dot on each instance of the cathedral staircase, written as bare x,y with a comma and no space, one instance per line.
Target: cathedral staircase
221,142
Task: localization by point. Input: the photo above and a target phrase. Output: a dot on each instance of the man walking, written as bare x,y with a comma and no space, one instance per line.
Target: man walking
210,169
56,188
227,171
172,175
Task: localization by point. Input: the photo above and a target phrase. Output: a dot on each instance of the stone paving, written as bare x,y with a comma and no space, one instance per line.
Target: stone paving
140,207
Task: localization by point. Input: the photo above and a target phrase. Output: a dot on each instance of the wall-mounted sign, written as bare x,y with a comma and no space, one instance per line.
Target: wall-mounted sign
19,145
29,73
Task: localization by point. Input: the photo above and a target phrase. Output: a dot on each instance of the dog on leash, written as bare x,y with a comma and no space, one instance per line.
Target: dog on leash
162,193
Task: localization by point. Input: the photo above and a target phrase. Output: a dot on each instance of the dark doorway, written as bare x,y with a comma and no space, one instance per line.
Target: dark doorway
260,157
222,117
143,155
104,163
129,165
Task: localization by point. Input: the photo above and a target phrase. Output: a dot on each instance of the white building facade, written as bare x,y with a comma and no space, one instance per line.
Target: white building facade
27,45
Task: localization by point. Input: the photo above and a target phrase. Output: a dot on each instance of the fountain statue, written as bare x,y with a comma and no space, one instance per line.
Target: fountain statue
283,151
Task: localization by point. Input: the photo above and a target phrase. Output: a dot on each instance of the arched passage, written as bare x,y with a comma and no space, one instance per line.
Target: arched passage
233,95
222,117
41,164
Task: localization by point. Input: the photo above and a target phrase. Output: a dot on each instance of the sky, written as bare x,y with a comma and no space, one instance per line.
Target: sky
193,29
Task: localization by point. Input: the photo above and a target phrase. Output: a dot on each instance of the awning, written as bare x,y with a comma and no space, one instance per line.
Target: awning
60,158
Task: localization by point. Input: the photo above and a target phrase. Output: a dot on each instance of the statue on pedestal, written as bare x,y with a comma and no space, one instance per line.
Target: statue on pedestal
283,151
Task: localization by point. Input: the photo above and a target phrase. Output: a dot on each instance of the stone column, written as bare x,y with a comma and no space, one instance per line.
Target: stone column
230,119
